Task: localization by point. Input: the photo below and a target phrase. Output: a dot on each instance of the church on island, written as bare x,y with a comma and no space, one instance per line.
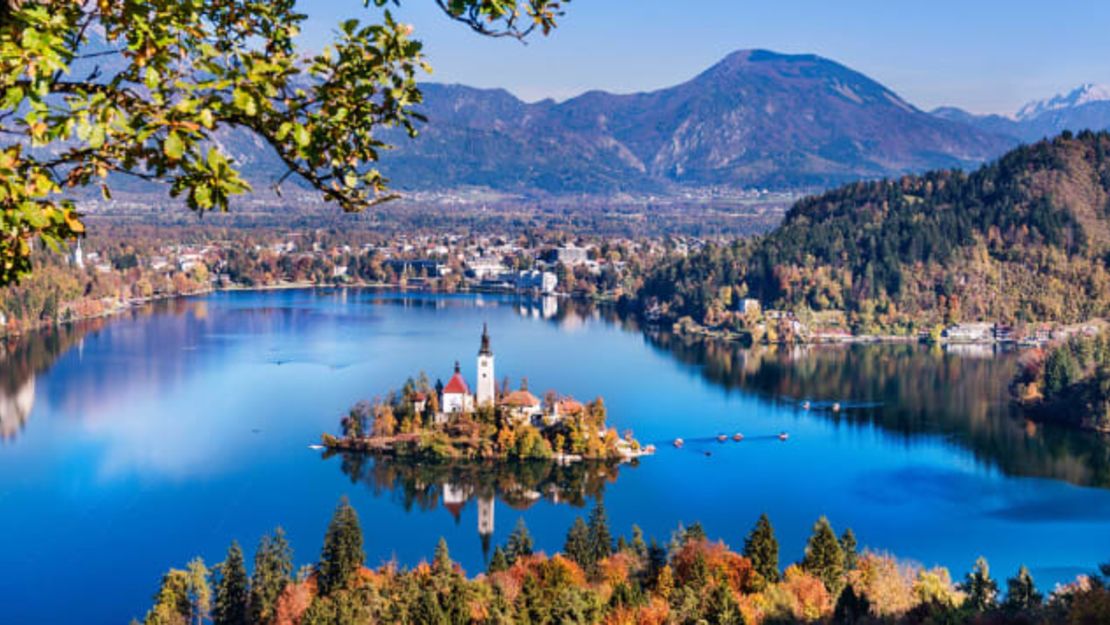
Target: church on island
450,421
455,397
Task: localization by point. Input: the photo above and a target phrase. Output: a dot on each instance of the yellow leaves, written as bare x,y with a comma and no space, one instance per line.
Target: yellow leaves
73,222
173,146
9,157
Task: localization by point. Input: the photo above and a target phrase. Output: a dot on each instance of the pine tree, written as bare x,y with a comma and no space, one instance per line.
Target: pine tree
850,547
1021,592
273,570
851,607
981,589
695,533
639,547
498,562
342,554
600,538
232,590
656,561
520,542
762,548
577,546
824,558
441,562
722,607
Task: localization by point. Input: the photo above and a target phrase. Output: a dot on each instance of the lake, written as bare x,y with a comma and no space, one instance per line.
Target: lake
130,445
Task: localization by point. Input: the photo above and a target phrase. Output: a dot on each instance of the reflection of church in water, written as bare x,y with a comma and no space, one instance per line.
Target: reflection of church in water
455,498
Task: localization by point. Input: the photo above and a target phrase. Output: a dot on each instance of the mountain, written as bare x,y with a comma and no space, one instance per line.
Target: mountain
1086,107
755,119
1025,238
1078,97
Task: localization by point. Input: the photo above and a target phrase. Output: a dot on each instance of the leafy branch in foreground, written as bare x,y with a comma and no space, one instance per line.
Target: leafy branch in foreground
139,87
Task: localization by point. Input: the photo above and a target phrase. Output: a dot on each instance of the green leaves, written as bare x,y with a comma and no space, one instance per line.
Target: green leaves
173,146
244,102
187,70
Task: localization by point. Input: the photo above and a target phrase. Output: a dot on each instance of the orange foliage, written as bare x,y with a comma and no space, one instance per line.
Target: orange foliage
615,568
655,612
732,567
886,584
293,602
812,600
559,571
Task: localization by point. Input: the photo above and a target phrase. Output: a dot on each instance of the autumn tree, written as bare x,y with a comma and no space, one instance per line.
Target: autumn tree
762,548
171,603
342,554
232,590
199,591
90,91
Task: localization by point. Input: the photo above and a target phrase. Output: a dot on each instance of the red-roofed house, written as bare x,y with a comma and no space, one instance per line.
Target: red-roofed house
456,395
522,405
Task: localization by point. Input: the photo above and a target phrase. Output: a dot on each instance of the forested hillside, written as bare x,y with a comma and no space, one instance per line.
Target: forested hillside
1022,239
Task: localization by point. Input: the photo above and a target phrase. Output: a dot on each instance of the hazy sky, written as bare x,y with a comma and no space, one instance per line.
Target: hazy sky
981,55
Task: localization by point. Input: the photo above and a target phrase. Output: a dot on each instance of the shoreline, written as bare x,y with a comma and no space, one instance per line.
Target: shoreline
388,447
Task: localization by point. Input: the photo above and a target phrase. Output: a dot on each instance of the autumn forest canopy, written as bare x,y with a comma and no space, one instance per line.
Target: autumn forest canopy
1022,239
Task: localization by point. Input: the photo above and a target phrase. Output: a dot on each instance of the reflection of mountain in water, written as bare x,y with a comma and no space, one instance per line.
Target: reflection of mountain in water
21,359
908,390
455,485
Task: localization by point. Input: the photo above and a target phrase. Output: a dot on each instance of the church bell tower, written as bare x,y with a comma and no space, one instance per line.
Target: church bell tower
485,395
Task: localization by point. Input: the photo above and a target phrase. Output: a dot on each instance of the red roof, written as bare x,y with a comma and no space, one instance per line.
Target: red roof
456,386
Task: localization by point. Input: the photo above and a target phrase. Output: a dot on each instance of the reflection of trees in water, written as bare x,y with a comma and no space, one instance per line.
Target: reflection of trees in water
24,357
915,390
427,486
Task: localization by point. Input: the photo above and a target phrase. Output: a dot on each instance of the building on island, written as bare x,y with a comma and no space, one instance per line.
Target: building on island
523,406
456,395
485,395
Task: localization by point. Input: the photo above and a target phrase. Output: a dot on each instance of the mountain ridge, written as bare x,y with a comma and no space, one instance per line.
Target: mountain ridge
756,118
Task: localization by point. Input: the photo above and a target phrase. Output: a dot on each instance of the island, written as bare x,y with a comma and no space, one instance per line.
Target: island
448,422
1068,383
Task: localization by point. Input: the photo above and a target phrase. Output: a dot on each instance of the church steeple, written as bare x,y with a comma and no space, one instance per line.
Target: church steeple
485,351
485,392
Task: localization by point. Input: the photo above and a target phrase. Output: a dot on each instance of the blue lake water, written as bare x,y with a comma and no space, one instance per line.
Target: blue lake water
131,445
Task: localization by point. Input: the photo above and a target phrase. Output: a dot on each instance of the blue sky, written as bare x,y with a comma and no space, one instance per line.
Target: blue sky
981,55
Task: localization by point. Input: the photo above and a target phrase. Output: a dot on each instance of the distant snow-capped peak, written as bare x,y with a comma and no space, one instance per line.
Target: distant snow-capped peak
1082,94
